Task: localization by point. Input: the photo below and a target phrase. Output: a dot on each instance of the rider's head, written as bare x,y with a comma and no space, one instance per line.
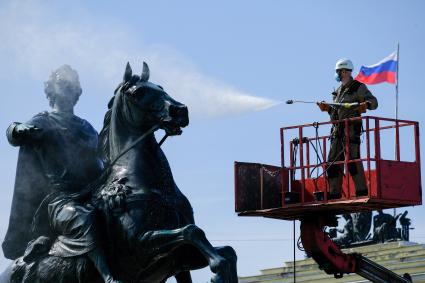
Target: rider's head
63,86
343,70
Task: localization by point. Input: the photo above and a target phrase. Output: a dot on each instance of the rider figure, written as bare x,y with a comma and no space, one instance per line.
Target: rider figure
58,158
350,91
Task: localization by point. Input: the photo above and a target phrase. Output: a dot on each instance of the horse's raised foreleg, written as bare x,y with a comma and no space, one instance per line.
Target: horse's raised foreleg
198,261
165,241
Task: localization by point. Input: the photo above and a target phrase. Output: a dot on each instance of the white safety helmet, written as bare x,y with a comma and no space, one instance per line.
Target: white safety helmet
344,64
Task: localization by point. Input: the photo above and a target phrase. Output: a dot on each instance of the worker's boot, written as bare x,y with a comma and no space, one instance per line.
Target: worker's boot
335,181
357,173
335,188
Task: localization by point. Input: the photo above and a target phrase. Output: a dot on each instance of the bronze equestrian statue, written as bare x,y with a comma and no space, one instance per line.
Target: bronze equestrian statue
131,219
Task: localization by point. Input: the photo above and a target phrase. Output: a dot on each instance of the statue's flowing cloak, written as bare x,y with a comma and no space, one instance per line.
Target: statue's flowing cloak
30,190
71,141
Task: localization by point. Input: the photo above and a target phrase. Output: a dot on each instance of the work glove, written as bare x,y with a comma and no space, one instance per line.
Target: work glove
324,107
363,107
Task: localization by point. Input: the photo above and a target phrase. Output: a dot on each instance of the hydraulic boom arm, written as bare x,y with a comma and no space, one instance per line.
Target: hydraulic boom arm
377,273
332,260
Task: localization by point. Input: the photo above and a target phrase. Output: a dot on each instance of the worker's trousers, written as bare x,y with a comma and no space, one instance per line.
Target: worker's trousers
335,172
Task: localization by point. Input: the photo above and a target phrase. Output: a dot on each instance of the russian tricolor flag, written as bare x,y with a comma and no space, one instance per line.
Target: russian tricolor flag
384,71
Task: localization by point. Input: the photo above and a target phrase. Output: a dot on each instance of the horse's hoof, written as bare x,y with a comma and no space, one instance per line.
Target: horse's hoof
219,264
222,269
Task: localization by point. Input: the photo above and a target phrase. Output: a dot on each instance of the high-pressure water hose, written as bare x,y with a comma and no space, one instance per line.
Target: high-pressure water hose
332,104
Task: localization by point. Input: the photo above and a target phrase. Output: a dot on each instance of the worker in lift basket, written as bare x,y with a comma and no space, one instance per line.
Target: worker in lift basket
350,91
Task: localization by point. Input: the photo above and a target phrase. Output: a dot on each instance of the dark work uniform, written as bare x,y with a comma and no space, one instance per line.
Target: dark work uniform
59,163
353,91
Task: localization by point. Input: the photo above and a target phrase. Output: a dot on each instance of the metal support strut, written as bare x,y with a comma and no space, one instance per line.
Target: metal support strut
332,260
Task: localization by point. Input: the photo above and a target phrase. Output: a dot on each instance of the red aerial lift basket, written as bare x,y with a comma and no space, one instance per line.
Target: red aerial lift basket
299,186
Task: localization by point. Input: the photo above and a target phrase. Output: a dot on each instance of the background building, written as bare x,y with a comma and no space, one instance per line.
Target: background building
400,257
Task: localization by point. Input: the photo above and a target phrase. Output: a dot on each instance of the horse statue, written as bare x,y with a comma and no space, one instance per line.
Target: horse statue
149,232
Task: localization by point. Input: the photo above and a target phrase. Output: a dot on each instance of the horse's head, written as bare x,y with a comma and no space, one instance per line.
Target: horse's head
146,104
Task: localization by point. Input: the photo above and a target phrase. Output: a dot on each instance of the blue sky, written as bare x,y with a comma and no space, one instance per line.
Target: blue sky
226,60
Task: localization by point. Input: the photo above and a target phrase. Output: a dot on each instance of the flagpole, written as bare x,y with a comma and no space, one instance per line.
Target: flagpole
396,108
396,85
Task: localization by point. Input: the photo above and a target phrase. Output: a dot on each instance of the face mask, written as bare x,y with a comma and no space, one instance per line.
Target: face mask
337,77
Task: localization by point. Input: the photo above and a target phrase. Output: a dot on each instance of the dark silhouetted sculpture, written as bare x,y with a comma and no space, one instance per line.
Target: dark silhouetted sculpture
356,229
385,227
357,226
362,222
107,208
405,226
347,236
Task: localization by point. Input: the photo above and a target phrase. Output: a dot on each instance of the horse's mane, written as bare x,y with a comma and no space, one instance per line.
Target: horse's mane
104,135
103,148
